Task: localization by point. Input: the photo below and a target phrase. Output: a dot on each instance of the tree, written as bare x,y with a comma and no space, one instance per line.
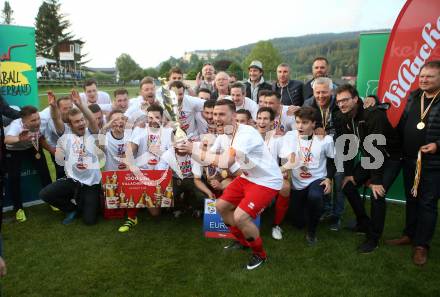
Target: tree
164,69
236,69
222,65
128,69
150,72
51,27
265,52
7,14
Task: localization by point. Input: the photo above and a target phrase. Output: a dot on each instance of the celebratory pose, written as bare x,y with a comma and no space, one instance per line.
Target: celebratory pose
312,170
248,195
24,141
77,151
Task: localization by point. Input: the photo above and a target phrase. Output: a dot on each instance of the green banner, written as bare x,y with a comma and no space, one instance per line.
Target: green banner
18,85
18,76
372,48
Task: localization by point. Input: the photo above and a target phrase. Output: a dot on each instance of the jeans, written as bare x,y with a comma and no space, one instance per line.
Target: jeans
13,164
375,225
61,193
59,170
307,205
421,212
336,209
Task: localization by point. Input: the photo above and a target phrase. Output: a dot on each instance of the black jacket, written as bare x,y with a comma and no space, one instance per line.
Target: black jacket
330,127
290,94
263,86
307,89
372,120
432,121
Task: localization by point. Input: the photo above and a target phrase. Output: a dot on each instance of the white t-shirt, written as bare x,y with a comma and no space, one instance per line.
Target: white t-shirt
249,105
103,98
114,151
191,106
134,110
14,129
287,122
80,157
252,154
201,123
181,165
309,165
274,143
142,137
106,107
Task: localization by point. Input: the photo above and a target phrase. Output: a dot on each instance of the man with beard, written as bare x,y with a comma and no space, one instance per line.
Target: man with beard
24,142
204,120
144,151
77,151
238,96
377,141
250,193
138,106
320,68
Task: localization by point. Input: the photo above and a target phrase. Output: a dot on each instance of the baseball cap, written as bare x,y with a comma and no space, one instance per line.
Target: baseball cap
256,64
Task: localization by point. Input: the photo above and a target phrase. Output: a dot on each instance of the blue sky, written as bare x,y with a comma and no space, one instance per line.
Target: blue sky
153,31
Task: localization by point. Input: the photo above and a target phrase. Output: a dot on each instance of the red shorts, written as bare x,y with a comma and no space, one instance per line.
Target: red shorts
249,197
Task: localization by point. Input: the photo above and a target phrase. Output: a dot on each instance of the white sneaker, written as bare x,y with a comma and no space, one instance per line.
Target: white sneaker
277,233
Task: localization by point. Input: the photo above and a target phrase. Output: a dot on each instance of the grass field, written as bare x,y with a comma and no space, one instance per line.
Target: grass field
133,91
170,257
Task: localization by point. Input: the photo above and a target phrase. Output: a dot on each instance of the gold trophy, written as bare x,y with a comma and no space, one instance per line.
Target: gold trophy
171,108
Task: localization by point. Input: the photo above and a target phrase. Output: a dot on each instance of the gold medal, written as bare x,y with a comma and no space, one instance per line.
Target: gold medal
421,125
224,173
37,156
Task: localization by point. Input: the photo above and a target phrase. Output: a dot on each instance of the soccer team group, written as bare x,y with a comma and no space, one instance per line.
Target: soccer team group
301,148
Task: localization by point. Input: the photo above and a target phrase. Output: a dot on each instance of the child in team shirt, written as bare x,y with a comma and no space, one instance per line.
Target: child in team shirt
310,160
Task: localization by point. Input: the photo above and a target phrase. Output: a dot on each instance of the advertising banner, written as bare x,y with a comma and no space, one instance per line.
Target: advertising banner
123,189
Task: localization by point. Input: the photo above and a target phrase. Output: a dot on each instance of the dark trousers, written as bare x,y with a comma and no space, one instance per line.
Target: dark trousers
192,196
59,170
64,191
307,205
421,212
376,224
13,164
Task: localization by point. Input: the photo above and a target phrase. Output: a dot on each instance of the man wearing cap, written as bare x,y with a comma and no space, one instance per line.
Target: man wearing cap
256,83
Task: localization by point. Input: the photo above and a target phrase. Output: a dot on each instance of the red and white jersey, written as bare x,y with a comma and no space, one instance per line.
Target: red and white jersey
115,152
253,156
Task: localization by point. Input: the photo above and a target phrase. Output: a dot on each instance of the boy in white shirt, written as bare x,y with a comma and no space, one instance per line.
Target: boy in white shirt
91,94
312,168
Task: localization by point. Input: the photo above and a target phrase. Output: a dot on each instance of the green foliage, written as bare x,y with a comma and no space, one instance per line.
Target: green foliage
165,68
265,52
150,72
236,69
222,65
7,14
192,74
128,69
50,29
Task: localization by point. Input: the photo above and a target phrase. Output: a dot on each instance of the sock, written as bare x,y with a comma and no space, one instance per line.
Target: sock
257,247
281,206
132,213
238,235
